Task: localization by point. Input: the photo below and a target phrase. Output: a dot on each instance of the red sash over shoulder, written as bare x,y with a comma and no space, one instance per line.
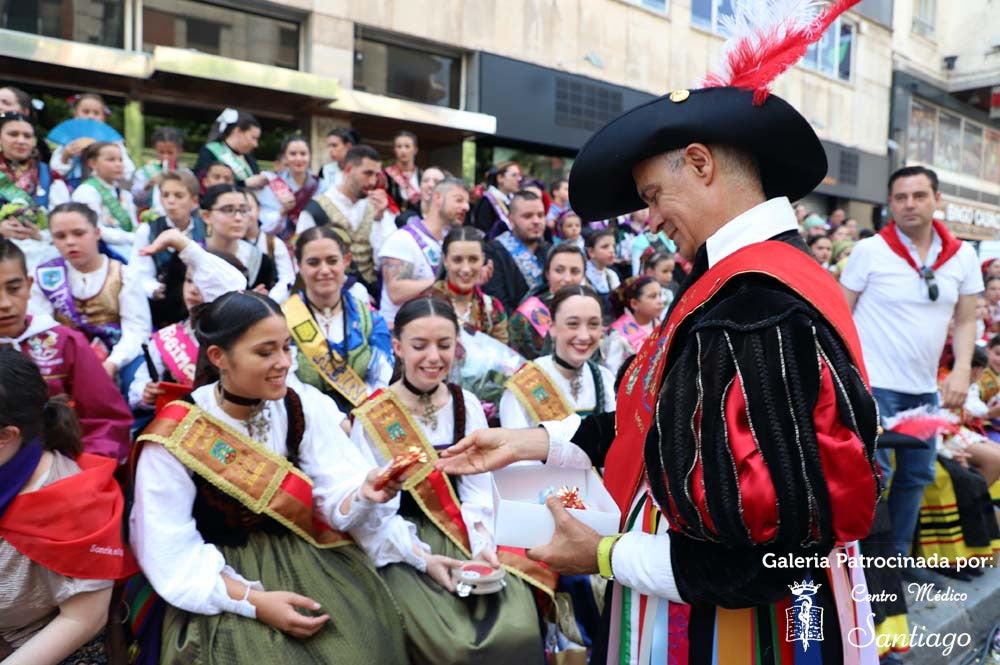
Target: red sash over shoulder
74,526
640,387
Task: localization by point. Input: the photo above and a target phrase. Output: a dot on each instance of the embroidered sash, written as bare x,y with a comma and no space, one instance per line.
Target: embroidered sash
178,351
537,314
321,355
630,330
53,280
432,254
227,156
539,394
243,469
112,204
11,193
640,387
406,187
527,262
389,426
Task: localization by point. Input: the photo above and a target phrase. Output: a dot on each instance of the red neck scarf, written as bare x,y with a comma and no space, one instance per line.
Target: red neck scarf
74,526
949,244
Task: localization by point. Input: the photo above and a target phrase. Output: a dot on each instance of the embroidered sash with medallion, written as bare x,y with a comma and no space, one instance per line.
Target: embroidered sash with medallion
243,469
331,366
539,394
94,317
391,428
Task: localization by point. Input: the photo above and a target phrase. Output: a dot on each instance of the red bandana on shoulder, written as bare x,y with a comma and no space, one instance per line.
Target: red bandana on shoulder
949,244
85,539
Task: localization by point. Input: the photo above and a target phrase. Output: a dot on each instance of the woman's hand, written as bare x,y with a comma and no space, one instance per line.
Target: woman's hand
151,391
287,201
76,146
169,239
384,495
439,569
279,609
12,229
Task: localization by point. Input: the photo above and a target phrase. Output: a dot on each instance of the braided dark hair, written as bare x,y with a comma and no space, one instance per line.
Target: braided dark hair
25,403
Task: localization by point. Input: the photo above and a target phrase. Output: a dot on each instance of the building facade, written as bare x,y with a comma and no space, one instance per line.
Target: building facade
477,81
946,71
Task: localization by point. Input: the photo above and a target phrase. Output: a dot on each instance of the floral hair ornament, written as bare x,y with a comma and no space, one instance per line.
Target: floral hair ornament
226,118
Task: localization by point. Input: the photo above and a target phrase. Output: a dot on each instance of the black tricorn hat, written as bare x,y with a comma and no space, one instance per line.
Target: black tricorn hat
790,156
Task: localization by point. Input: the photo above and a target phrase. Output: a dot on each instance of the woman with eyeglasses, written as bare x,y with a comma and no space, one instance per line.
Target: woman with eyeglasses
227,213
491,214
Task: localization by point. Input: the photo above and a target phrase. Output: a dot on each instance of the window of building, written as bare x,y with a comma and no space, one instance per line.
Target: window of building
950,142
923,125
220,30
655,5
709,14
410,72
833,54
100,22
924,17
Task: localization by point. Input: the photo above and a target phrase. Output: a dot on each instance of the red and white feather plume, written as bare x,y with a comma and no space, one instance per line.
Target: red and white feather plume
767,37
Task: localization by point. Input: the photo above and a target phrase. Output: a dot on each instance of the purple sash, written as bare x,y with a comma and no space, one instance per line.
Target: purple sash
537,314
53,279
16,472
417,229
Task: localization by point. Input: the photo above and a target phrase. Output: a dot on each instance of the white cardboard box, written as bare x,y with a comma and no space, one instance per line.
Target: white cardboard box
521,521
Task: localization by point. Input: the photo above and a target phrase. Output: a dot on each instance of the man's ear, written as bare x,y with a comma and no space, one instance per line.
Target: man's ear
700,158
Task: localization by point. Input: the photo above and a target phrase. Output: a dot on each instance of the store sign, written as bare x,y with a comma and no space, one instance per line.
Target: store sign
995,102
972,223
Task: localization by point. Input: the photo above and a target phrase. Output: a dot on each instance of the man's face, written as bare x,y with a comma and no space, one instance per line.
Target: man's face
912,202
528,220
362,177
337,149
454,205
664,188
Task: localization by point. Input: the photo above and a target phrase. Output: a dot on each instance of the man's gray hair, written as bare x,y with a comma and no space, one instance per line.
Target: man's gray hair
449,183
732,160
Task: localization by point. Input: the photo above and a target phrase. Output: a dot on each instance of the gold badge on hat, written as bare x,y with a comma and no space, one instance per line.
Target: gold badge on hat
678,96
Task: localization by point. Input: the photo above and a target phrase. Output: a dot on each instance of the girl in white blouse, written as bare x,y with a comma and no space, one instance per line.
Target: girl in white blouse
573,383
441,521
250,573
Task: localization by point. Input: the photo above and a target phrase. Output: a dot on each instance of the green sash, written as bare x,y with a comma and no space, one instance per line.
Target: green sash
111,203
12,193
334,369
225,154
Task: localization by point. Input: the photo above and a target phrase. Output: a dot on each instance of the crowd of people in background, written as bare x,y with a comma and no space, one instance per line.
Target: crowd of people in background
381,293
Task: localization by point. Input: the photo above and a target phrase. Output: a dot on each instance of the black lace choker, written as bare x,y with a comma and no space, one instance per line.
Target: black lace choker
416,391
562,363
241,401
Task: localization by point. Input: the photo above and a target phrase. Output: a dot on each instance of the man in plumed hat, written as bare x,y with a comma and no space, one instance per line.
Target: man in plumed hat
742,454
